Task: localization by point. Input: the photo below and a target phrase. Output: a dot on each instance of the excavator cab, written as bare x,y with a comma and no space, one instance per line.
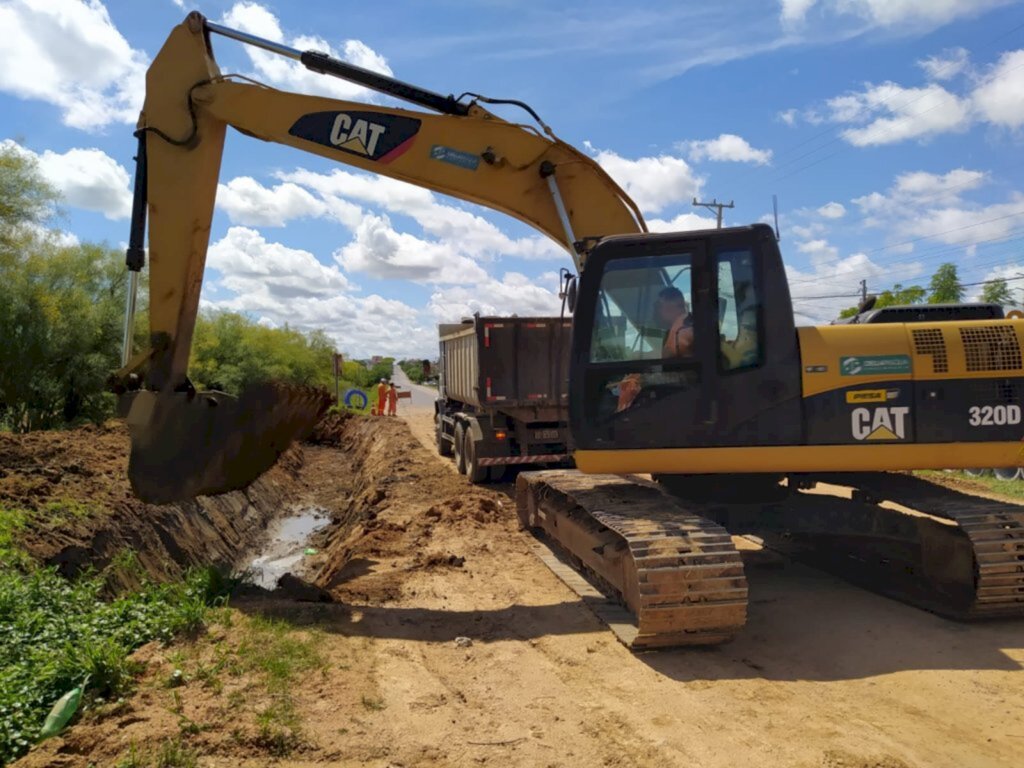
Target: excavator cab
736,383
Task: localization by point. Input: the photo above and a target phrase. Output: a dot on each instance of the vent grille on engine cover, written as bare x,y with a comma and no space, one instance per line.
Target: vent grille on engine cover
991,348
929,341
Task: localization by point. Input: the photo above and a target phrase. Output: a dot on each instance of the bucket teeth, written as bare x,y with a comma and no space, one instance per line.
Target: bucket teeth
187,445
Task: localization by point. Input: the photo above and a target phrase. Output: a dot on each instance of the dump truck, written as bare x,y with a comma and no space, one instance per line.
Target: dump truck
503,393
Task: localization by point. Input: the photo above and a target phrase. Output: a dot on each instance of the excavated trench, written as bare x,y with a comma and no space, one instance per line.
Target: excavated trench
70,495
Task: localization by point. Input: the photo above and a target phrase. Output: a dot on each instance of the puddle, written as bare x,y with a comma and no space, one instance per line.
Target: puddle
284,550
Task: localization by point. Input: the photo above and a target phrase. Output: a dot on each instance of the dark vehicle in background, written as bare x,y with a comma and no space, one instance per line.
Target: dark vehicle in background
503,393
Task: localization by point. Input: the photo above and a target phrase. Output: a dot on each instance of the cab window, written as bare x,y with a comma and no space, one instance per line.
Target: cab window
739,311
643,310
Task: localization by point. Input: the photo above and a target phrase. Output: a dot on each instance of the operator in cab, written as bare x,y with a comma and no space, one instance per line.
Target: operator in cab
673,314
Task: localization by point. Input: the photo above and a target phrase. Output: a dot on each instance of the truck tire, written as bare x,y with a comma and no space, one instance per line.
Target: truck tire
460,448
444,448
470,453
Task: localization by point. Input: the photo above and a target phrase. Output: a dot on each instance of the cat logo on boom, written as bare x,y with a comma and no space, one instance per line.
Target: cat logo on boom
378,136
880,423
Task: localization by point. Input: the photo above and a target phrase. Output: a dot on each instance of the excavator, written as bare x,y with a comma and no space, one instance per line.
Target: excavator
799,436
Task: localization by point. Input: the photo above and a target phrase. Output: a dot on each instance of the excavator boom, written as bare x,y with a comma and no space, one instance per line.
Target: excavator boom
185,443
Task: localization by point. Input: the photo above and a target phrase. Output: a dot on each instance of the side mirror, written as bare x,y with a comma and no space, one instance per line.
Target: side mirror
570,295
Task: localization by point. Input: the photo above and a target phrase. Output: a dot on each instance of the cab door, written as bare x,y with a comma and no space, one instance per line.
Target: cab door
738,383
628,390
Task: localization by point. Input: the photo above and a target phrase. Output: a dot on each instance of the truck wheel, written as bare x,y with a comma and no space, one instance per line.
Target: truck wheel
474,471
444,448
460,448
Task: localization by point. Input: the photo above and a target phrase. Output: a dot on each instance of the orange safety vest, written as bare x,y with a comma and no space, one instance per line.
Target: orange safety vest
679,339
382,397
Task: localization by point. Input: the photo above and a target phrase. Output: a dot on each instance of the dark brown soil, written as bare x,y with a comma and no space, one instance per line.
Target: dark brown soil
75,485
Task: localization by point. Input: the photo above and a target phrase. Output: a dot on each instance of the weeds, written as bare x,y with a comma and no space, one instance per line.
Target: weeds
56,633
373,703
279,654
172,753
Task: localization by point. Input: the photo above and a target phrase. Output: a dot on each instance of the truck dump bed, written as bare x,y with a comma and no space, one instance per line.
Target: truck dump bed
511,364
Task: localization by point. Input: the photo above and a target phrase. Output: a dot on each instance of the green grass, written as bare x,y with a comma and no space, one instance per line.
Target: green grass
56,634
283,658
1011,488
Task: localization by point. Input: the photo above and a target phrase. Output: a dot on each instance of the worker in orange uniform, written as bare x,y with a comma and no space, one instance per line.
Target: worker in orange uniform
382,396
392,400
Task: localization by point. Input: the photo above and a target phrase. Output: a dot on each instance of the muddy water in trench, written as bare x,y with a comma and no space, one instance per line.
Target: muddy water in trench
286,547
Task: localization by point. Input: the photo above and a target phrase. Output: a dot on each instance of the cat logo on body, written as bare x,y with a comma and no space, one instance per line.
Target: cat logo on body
378,136
889,423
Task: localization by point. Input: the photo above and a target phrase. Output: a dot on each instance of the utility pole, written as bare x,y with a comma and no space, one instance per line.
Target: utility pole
863,291
714,205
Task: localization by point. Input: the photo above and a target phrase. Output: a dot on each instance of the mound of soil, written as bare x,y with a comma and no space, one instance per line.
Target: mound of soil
74,484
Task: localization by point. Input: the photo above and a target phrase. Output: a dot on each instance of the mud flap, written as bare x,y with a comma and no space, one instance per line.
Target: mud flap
195,444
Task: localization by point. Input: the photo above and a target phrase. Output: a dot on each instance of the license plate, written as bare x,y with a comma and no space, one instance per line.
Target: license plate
545,434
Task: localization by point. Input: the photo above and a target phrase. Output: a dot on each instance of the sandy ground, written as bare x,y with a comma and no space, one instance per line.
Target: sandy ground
825,675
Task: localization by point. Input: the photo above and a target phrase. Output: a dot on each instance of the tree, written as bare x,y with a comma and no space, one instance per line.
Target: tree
25,197
895,296
945,286
997,292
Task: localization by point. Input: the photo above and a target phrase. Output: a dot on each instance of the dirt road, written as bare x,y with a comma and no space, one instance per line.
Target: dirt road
824,676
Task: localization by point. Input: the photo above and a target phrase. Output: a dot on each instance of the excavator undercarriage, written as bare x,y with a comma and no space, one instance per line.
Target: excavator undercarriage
673,564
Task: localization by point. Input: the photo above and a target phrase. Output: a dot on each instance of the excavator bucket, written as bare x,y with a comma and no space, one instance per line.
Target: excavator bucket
193,444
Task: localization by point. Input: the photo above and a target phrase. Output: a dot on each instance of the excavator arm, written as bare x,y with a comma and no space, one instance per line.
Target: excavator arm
185,443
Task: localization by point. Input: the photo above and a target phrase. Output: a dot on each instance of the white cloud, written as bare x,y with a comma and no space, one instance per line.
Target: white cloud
514,294
248,202
86,178
888,13
728,147
967,226
462,230
893,113
69,53
888,113
654,183
1000,96
788,116
928,206
939,187
809,232
380,251
832,211
831,284
683,222
292,75
794,11
271,274
947,65
818,251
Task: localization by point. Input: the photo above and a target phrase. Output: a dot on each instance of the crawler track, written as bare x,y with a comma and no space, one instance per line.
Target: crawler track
994,530
677,572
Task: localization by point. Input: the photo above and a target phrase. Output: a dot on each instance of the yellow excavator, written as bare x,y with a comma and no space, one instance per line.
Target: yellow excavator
753,425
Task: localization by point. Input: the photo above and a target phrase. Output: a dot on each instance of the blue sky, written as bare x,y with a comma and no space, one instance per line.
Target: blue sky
891,130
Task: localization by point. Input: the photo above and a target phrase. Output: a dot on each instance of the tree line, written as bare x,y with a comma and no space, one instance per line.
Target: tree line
62,314
944,287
